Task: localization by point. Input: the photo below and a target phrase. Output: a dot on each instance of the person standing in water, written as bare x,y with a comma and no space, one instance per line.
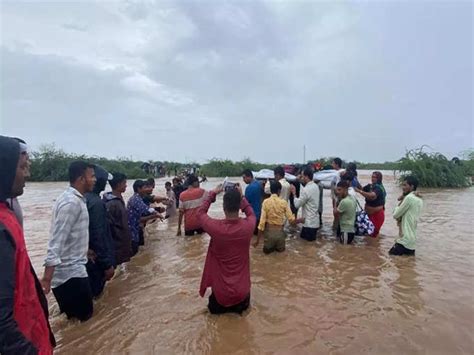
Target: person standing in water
407,214
375,195
345,213
189,203
227,267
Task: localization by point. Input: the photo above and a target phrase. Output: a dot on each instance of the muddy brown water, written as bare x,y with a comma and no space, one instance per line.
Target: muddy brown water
319,297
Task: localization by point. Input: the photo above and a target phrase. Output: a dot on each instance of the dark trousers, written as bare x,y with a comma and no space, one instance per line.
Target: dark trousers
193,231
399,249
96,278
255,231
309,234
74,298
134,248
215,308
141,236
345,237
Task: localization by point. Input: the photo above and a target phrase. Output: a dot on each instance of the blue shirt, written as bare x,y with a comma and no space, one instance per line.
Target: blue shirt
253,194
136,209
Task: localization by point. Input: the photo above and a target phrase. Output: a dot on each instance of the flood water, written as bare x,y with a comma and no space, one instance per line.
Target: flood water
315,298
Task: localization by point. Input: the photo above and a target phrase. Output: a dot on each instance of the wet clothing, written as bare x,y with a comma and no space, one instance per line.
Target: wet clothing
100,241
274,240
216,308
379,192
409,212
227,267
399,249
378,219
275,211
254,195
309,203
178,189
192,232
309,234
285,189
136,210
171,205
189,202
118,223
74,298
345,237
69,238
24,324
347,209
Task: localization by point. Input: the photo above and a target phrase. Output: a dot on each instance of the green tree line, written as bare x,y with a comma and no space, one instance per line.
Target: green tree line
432,169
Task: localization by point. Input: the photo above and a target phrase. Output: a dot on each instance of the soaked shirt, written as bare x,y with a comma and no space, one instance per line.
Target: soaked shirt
69,238
227,267
189,202
136,209
408,211
275,211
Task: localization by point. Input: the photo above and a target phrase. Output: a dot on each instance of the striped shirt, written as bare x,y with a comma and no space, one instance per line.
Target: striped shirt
189,202
69,238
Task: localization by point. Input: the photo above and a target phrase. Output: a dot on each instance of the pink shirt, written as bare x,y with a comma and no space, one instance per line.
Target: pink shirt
227,268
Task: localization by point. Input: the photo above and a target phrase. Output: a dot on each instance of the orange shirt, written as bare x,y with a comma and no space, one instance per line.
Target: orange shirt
189,202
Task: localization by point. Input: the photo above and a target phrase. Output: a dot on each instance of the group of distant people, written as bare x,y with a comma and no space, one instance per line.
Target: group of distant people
91,235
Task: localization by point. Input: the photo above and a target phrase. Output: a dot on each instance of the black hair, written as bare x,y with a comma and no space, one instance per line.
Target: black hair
349,175
232,199
167,183
338,162
343,183
247,173
138,184
308,172
352,167
279,170
19,140
118,178
151,181
192,179
275,187
412,181
78,169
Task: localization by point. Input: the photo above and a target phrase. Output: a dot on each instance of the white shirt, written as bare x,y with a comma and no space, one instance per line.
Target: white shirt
309,202
285,189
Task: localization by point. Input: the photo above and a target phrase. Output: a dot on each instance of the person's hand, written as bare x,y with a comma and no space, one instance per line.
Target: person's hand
178,234
239,188
293,189
334,211
109,273
218,189
358,190
255,244
91,255
46,285
401,198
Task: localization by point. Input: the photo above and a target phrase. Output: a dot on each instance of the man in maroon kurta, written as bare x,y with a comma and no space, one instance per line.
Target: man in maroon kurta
227,269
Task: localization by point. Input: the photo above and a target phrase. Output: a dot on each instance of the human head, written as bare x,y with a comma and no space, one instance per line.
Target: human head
168,186
232,199
151,182
193,180
336,163
410,184
377,177
82,176
352,167
247,176
148,187
275,187
308,174
342,189
176,181
14,168
139,187
102,176
119,182
279,173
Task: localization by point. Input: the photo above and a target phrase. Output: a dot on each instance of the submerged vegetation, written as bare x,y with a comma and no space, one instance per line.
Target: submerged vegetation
432,169
435,170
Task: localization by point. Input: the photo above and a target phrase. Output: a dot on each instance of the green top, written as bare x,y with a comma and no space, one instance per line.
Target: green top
347,209
408,211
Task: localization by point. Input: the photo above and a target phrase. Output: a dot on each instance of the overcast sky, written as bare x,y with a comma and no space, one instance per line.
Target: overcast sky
193,80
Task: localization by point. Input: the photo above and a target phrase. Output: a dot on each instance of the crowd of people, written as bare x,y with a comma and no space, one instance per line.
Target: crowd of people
93,233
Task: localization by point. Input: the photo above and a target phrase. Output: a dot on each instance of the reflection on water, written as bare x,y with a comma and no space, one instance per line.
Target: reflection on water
319,297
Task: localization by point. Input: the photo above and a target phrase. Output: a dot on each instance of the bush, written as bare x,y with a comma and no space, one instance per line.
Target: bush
222,168
434,169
